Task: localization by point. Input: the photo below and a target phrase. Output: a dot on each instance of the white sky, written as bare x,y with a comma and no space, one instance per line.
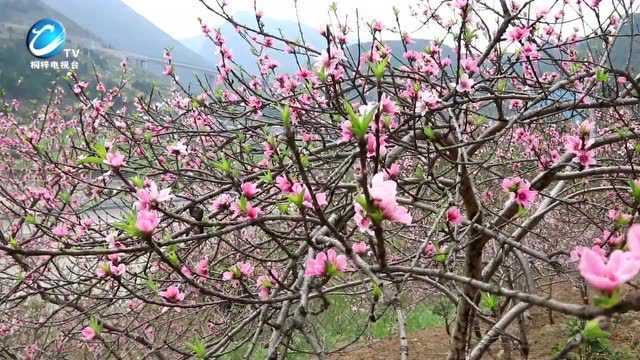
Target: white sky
179,17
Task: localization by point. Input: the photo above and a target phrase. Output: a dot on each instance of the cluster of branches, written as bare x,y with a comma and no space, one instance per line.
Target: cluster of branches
228,216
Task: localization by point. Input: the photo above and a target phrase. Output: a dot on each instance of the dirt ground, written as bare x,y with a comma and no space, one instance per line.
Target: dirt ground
433,343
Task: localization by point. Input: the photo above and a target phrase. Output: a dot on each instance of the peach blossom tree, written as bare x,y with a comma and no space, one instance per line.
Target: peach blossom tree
227,217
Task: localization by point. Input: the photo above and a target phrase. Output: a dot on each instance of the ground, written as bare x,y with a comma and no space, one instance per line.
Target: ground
545,338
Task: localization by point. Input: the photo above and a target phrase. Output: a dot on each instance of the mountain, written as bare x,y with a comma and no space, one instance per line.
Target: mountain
121,28
243,53
18,80
17,16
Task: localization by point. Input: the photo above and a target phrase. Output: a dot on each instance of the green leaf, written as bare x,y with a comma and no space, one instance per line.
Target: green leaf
502,86
65,196
489,301
128,225
198,348
267,177
95,324
522,212
137,181
379,68
91,160
607,301
285,115
242,204
322,75
635,190
223,165
376,291
100,150
151,284
602,75
283,208
429,133
592,331
31,219
297,199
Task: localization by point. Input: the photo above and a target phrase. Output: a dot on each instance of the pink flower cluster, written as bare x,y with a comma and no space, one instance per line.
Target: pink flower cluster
579,145
383,195
238,271
297,189
326,264
172,294
149,196
266,284
520,190
621,266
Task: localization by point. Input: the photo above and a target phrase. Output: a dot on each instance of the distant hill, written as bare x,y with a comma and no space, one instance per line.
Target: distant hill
242,50
121,28
16,16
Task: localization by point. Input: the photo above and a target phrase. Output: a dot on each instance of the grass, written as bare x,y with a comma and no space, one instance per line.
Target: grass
344,321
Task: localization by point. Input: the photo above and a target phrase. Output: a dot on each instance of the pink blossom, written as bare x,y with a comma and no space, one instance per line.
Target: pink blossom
465,85
585,158
392,172
117,270
167,70
459,4
525,196
237,271
518,33
203,267
61,230
430,249
249,189
360,248
470,65
264,286
388,106
362,221
346,132
329,61
253,212
511,184
178,149
284,184
572,144
607,275
88,333
184,270
612,238
372,145
383,194
521,191
633,240
147,221
115,160
222,202
172,294
149,195
454,215
326,263
321,199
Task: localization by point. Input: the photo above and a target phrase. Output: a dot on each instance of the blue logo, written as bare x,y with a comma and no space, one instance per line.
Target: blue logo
46,38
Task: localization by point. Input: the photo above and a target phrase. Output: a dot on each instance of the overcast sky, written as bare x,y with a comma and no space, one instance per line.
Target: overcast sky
179,17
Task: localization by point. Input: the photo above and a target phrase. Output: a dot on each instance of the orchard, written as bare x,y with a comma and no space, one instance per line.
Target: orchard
227,218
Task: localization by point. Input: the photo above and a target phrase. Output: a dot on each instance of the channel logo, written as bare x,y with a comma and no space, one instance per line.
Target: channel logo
46,38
